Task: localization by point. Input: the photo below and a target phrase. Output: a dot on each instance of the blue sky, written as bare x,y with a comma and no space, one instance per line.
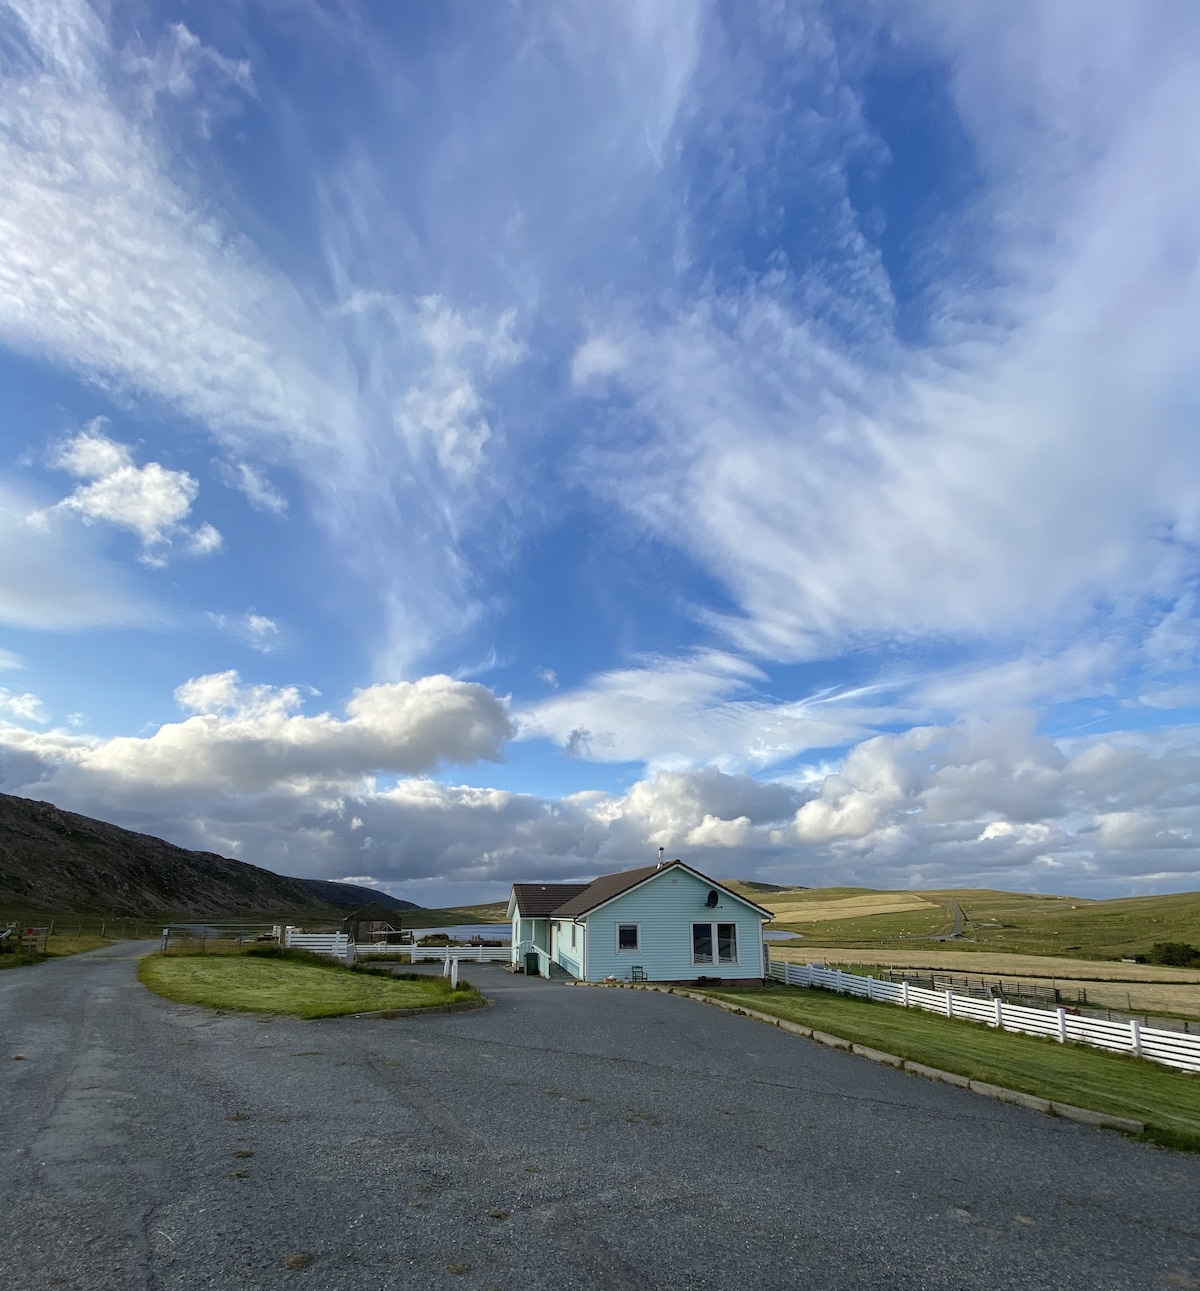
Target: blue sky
444,445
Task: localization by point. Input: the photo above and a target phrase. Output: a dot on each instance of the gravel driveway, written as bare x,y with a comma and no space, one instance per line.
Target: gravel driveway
565,1138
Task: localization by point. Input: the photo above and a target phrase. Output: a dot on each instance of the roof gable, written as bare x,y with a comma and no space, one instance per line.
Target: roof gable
610,886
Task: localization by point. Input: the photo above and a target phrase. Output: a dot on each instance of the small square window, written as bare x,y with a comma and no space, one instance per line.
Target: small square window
627,936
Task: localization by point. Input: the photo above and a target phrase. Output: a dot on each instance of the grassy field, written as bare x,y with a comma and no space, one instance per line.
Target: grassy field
1167,1101
285,984
975,961
995,922
1133,988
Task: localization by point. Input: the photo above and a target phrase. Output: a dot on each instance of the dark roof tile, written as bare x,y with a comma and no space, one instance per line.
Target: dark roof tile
540,900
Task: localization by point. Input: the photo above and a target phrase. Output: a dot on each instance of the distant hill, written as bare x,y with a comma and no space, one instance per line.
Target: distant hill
55,860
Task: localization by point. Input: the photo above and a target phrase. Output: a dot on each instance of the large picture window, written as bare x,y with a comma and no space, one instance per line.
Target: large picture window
628,937
714,943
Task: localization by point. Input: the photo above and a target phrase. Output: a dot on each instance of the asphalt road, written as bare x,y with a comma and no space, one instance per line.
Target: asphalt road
566,1138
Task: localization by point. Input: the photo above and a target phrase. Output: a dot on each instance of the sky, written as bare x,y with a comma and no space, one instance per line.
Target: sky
447,445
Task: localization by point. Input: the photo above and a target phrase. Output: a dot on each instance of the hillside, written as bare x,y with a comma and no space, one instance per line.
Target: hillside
53,860
992,921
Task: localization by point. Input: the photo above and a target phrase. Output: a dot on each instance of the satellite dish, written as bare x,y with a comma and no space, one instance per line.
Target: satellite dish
712,899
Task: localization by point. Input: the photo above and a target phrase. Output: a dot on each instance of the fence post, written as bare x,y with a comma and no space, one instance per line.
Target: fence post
454,973
1135,1037
446,965
949,1003
841,988
904,993
870,986
999,1014
1062,1026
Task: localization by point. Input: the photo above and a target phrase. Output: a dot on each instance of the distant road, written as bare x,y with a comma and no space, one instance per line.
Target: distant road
567,1138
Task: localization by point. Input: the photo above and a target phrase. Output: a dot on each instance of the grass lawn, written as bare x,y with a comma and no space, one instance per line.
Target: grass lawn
1167,1101
279,985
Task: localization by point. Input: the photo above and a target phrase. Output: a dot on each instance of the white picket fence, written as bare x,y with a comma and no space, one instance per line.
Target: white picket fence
334,944
471,954
337,945
1172,1048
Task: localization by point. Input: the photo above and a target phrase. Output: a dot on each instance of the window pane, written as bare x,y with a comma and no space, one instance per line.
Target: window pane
727,943
702,947
627,938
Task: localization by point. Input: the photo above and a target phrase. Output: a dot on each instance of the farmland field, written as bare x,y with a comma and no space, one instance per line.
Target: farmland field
1136,988
839,919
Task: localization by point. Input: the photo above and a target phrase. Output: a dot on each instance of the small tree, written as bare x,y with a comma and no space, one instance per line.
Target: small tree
1174,954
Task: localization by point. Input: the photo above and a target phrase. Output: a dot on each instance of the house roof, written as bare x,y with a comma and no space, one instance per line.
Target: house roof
604,888
540,900
608,886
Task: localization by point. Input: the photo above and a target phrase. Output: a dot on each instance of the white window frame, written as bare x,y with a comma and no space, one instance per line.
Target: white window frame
716,961
625,950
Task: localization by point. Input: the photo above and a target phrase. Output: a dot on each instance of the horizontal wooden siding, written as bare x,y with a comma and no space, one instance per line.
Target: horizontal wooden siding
665,907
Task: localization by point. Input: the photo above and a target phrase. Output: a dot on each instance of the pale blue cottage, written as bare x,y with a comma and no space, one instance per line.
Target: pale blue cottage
662,923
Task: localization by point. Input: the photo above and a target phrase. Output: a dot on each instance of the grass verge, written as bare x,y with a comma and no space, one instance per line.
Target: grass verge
1167,1101
60,945
291,984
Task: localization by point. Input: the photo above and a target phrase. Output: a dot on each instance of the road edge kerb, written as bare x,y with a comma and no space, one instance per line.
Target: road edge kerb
1047,1106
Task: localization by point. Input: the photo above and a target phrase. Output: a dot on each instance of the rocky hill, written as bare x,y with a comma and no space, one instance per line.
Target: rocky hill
55,860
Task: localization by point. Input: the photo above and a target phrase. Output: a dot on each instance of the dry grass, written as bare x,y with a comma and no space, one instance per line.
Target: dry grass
816,910
998,962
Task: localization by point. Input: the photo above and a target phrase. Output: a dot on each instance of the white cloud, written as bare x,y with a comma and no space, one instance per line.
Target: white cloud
150,500
184,68
1035,460
25,707
692,710
446,407
50,578
597,357
251,739
10,661
257,489
979,804
262,629
252,629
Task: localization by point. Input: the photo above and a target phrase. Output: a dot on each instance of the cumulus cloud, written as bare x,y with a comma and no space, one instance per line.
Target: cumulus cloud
25,707
150,500
978,804
248,739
